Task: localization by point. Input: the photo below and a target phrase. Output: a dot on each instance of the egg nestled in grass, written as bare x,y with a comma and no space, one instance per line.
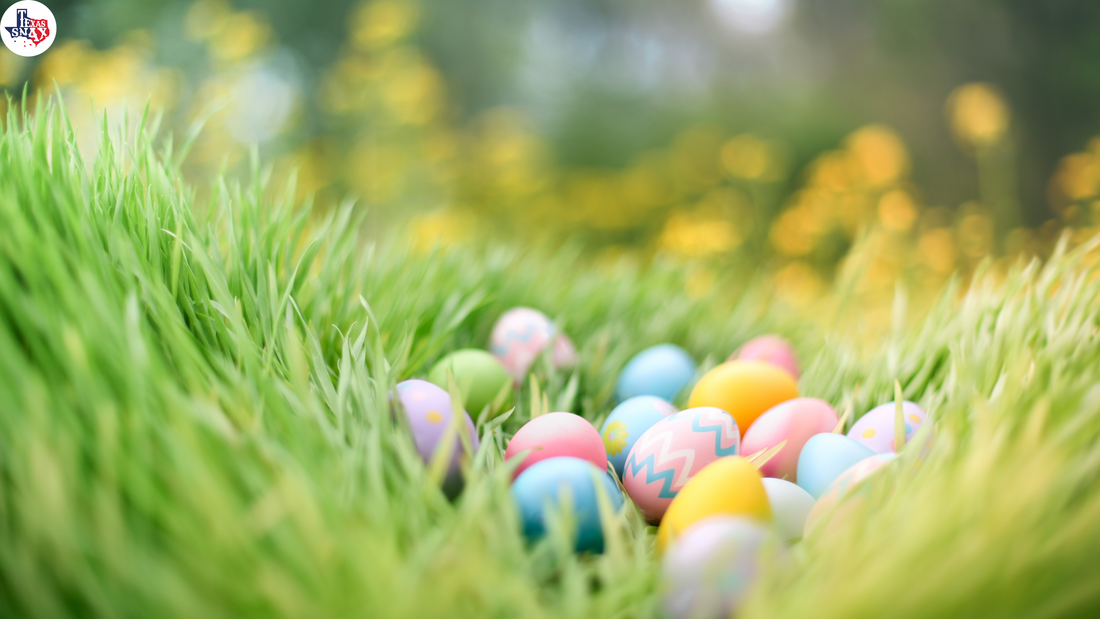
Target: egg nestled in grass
664,371
480,378
744,389
519,337
673,451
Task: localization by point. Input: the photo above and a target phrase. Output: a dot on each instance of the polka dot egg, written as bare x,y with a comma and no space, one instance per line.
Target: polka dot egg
876,428
428,409
627,422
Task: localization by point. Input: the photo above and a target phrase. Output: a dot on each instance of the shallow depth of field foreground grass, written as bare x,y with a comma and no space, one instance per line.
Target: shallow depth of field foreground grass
194,418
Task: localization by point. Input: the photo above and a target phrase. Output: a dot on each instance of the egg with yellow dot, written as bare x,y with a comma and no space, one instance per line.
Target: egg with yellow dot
744,389
876,429
729,486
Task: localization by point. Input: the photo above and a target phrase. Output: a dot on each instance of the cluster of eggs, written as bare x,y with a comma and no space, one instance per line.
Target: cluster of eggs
483,379
746,462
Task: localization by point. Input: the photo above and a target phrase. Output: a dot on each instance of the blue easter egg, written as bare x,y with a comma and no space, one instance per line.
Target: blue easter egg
541,487
663,371
627,422
824,458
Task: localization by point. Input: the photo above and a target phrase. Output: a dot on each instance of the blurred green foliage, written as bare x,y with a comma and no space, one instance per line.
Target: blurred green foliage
866,145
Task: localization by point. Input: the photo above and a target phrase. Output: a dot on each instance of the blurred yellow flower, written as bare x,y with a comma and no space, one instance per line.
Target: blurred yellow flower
897,211
251,33
1078,176
879,155
937,250
383,22
412,89
749,157
979,115
442,227
798,284
699,234
975,230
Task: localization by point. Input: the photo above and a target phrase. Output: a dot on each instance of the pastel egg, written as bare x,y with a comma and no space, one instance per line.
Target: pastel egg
671,452
791,506
876,428
627,422
428,409
728,486
663,371
553,435
794,421
480,377
772,349
707,573
541,486
521,334
843,486
744,389
824,458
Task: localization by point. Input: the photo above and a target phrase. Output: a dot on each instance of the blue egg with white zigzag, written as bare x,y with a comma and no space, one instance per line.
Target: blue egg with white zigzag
627,422
664,371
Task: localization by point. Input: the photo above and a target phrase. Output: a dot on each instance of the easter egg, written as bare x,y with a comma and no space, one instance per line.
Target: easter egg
663,371
744,389
553,435
541,486
521,334
844,485
725,487
876,428
709,569
627,422
670,453
794,421
772,349
480,377
824,457
791,506
428,409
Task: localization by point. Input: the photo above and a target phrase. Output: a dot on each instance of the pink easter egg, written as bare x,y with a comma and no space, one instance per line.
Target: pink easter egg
557,434
794,421
876,428
671,452
521,334
772,349
842,486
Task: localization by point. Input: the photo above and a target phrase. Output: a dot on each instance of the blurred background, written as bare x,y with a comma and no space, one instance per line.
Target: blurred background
822,144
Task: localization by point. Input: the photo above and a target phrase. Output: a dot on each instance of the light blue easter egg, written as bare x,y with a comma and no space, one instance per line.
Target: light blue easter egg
663,371
627,422
824,458
542,485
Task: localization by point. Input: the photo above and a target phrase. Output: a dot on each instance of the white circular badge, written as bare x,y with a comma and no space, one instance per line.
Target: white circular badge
28,28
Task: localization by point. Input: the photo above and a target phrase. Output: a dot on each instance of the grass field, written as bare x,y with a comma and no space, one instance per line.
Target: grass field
194,418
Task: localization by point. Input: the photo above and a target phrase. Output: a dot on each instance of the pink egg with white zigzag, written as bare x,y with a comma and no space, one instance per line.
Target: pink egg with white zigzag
519,337
671,452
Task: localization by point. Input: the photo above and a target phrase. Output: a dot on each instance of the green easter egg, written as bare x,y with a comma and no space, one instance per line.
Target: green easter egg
479,376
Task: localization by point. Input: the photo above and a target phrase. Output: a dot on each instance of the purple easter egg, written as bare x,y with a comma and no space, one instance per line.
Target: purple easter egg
876,428
428,409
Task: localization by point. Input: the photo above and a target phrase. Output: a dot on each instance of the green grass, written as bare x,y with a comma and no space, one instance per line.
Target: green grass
194,418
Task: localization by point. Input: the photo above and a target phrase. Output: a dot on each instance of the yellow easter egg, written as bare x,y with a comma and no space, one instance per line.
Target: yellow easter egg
744,389
729,486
